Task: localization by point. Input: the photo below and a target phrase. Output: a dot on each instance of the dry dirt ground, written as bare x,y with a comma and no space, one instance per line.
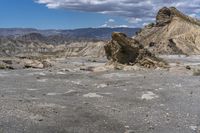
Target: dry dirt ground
69,100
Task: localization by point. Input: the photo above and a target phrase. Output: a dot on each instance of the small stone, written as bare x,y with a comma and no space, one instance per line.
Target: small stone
151,128
188,67
86,103
127,127
40,120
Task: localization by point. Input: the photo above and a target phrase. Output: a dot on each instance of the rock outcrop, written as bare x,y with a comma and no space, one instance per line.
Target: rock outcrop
16,63
124,50
173,33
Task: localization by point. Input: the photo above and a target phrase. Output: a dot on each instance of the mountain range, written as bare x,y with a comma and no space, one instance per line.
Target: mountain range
76,34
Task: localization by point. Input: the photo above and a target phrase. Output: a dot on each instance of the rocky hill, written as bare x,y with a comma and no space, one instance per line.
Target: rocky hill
172,33
33,42
35,45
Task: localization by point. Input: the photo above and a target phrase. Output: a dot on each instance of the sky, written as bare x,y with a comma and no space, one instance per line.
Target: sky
72,14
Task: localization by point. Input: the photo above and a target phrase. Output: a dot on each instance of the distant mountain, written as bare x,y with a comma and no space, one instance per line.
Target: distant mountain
23,31
98,33
77,34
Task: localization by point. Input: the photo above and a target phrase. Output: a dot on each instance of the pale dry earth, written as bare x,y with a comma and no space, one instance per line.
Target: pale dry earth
65,99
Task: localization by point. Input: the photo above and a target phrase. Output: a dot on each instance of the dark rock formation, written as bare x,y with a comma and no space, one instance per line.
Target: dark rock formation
124,50
164,16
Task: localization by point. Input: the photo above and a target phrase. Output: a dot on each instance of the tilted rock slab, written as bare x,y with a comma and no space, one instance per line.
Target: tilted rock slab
124,50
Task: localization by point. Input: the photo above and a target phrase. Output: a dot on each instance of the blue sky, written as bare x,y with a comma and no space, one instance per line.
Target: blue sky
28,14
72,14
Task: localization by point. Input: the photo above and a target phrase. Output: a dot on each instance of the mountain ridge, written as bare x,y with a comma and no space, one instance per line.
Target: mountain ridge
172,33
91,33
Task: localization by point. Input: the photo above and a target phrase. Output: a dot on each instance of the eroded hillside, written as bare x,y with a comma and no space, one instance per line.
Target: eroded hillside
173,33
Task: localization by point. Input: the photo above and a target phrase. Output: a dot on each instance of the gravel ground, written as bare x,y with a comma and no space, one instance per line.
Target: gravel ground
63,101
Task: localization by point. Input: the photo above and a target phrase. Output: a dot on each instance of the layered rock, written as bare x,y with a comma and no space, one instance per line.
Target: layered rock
173,33
83,49
24,63
124,50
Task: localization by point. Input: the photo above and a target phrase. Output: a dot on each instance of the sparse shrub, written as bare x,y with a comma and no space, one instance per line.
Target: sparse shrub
2,66
196,72
138,32
188,67
151,25
92,60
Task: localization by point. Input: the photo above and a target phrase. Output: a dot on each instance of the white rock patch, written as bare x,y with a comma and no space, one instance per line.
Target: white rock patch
121,75
42,80
32,89
101,85
36,73
53,94
149,96
61,73
92,95
70,91
178,85
107,93
194,128
51,105
76,82
36,117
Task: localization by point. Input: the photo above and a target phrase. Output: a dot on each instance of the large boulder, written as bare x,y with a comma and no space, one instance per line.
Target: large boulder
124,50
32,64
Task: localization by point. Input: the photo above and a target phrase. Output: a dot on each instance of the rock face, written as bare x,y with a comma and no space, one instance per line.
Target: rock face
164,16
173,33
124,50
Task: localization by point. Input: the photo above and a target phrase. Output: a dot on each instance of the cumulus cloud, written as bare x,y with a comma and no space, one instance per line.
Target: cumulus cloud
134,20
111,24
111,20
134,11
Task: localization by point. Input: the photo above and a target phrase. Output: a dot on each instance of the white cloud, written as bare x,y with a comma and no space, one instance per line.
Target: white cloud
135,11
144,24
123,25
134,20
111,20
111,24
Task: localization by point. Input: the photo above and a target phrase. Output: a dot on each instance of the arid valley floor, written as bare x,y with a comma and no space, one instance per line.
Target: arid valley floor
72,100
79,81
